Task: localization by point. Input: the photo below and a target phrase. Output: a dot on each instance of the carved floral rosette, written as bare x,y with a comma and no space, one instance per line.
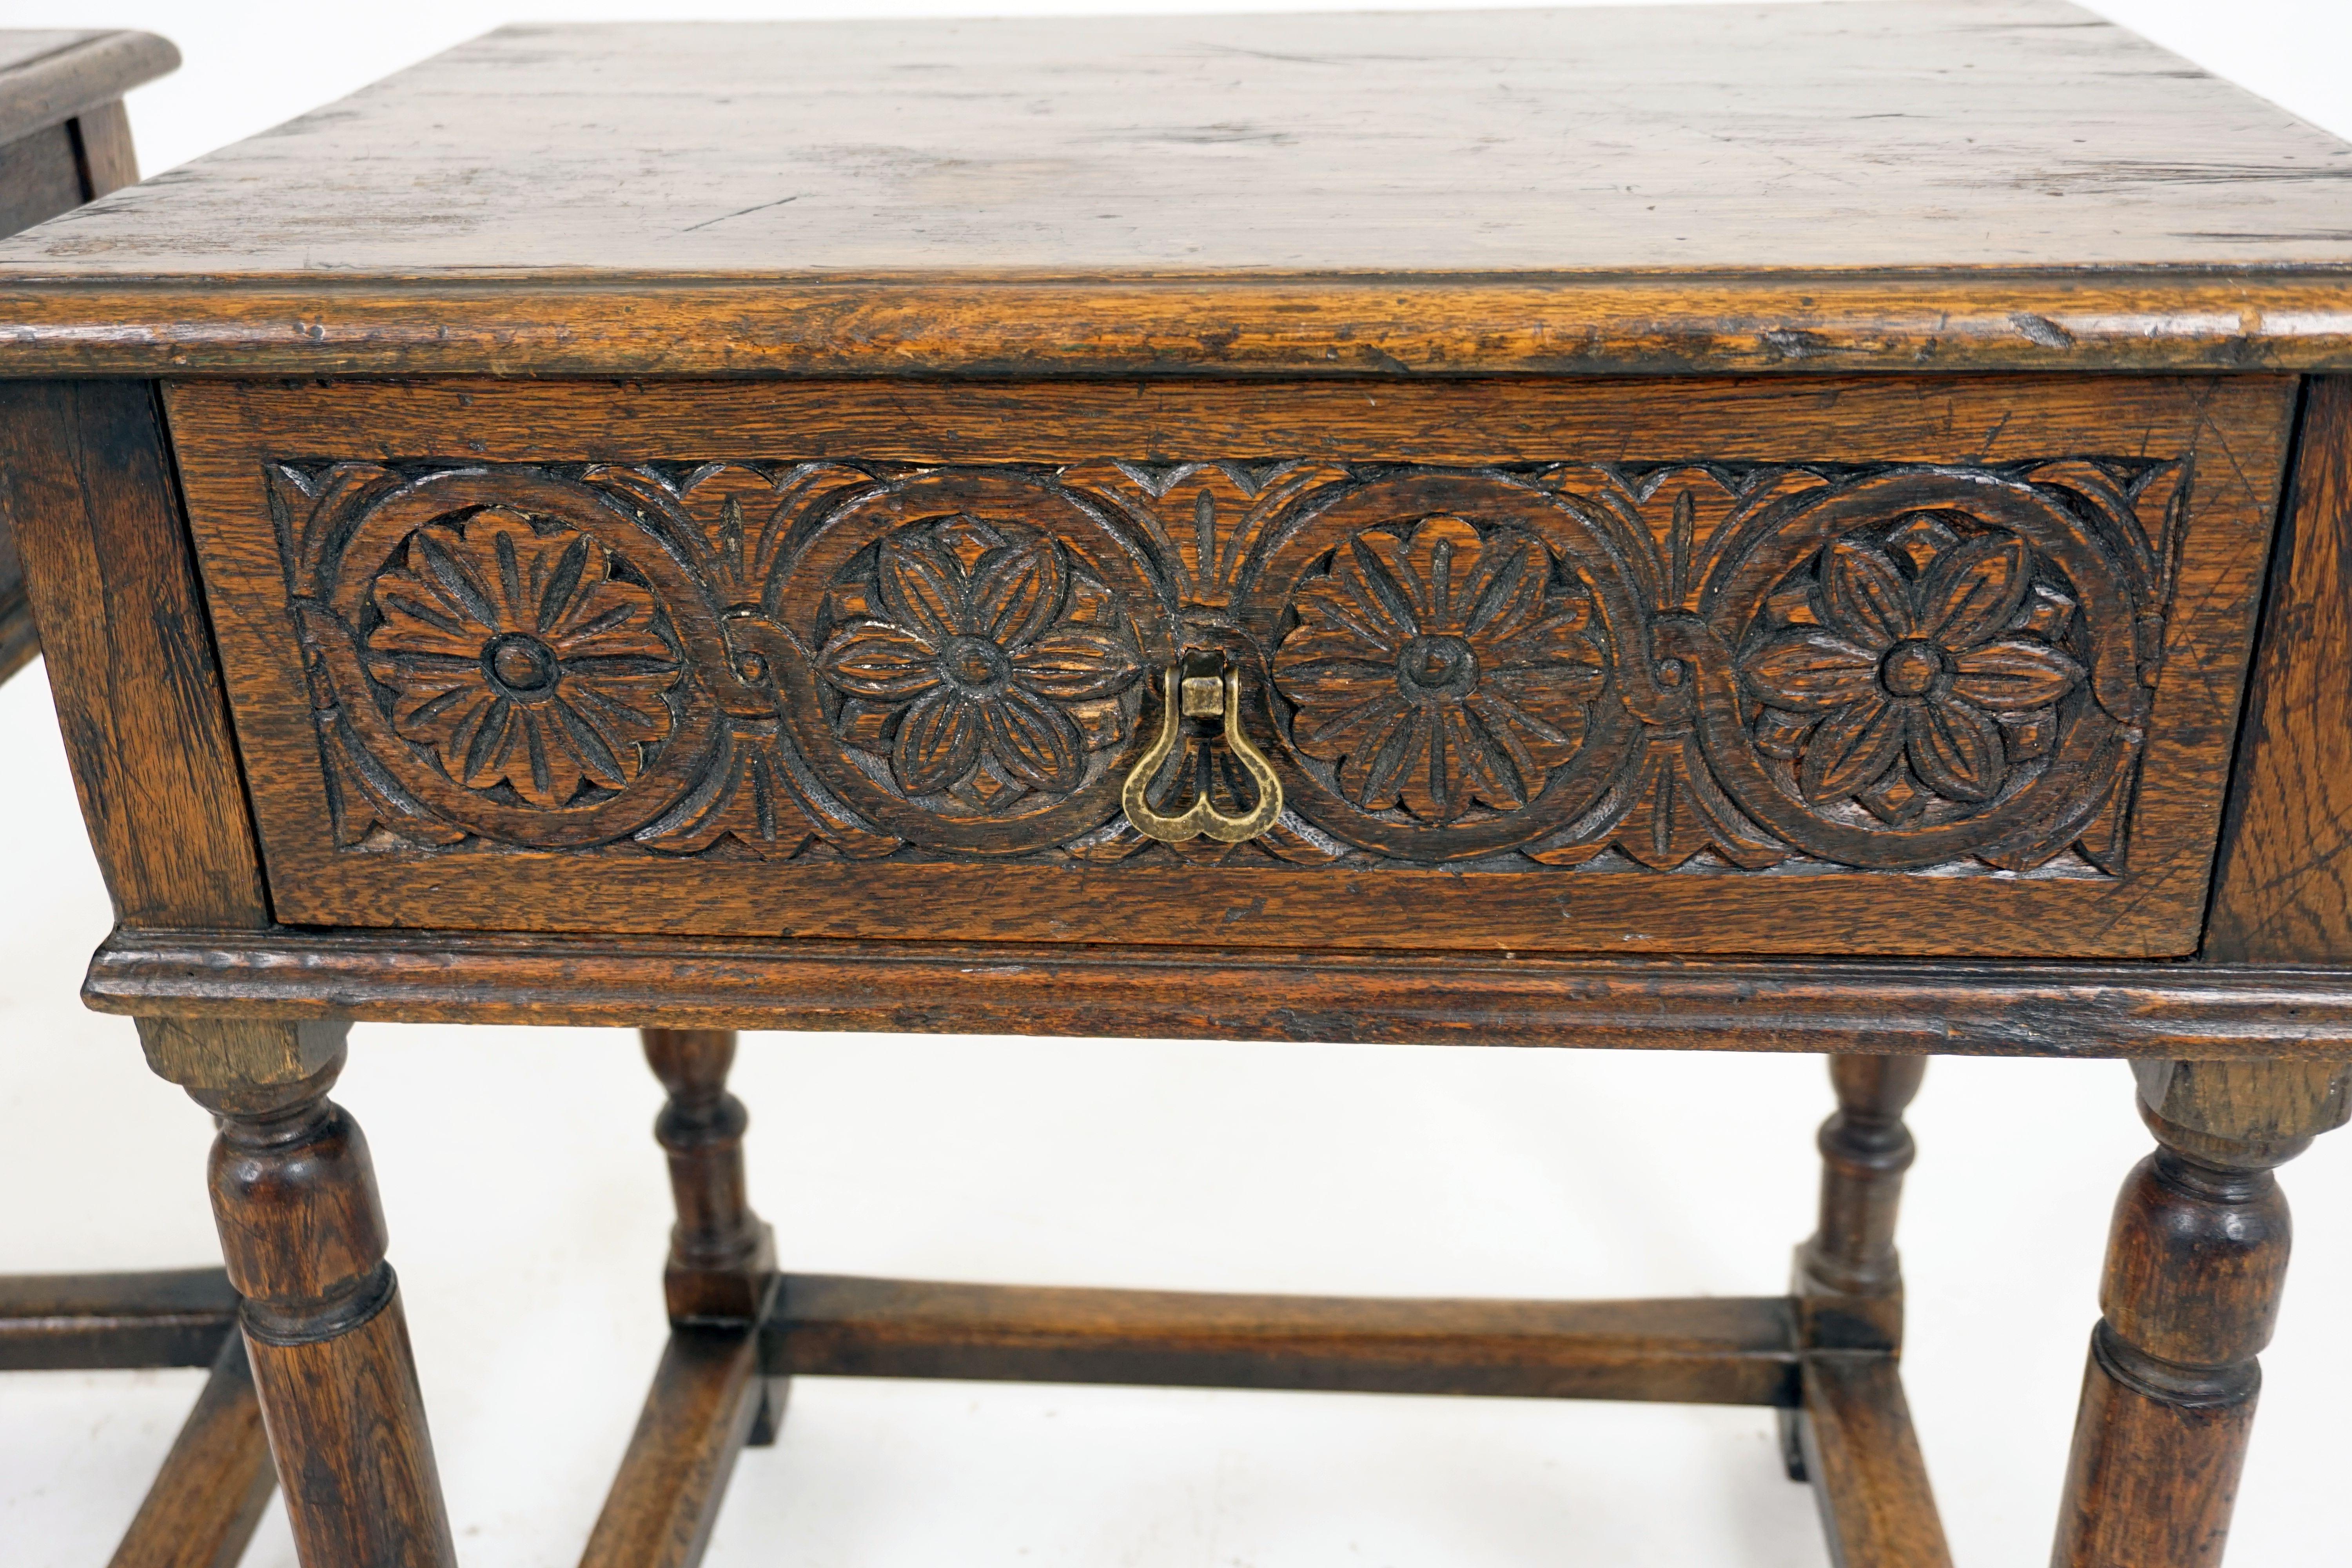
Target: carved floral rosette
1695,669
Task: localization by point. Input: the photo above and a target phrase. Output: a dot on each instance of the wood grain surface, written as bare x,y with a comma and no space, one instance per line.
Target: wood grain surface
87,485
698,1418
215,1483
19,638
1342,328
909,217
1863,1454
173,1317
302,1232
2282,893
722,1257
1741,137
108,159
1848,1277
365,824
2197,1258
1706,1350
1091,990
2012,184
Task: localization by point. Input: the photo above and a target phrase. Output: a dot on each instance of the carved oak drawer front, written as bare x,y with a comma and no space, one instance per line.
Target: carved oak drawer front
1882,667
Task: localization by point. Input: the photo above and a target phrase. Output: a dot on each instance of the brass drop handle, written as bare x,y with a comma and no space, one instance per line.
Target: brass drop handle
1191,690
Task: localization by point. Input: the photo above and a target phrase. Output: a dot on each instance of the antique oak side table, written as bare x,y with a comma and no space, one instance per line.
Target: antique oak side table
1807,528
64,140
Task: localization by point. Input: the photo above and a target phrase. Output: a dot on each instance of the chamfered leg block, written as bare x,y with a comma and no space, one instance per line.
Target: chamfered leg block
302,1233
2196,1260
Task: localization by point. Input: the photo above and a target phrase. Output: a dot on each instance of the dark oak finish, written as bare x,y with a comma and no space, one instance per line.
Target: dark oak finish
1710,1350
2191,319
2195,1264
2280,894
1410,998
739,594
1238,195
720,1253
85,483
64,140
19,639
1669,716
710,1397
215,1483
1860,1448
1847,1289
208,1497
302,1231
705,1406
2198,1252
1849,1280
160,1318
1851,1436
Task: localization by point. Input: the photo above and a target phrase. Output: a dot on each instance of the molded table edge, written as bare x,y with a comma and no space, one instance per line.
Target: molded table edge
1979,1007
586,324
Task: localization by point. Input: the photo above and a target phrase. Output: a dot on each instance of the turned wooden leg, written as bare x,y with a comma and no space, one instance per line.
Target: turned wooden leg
2195,1262
720,1254
1852,1437
302,1232
708,1399
1848,1278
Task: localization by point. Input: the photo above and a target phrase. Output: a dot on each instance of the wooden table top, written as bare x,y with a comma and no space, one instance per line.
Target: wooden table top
1601,189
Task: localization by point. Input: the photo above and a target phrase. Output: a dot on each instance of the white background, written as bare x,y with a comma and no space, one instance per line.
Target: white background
529,1209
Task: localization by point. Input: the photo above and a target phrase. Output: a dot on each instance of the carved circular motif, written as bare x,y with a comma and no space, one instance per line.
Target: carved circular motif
1445,667
976,674
515,653
1921,684
1909,658
521,658
980,675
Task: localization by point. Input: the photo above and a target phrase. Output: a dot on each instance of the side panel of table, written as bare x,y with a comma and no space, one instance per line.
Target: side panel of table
2282,892
91,496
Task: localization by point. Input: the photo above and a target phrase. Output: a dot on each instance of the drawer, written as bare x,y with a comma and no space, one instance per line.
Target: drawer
1886,666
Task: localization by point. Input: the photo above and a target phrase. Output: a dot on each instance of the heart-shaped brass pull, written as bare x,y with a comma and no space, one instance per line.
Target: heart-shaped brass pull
1194,690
